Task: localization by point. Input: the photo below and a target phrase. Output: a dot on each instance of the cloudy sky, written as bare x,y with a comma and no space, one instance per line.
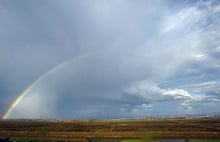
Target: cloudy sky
109,58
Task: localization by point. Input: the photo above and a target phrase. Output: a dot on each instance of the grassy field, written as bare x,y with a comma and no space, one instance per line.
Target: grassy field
196,130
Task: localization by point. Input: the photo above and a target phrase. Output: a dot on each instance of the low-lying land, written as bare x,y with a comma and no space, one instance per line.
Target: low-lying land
100,130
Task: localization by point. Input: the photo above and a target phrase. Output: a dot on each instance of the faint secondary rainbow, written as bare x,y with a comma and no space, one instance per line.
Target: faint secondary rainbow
51,70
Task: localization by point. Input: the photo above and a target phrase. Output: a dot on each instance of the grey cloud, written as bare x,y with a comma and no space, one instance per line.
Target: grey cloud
127,46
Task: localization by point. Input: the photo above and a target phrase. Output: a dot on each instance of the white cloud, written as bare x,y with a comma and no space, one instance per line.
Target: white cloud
182,20
148,90
177,94
216,9
192,18
200,56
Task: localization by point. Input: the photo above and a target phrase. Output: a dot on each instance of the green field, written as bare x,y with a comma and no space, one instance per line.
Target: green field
144,130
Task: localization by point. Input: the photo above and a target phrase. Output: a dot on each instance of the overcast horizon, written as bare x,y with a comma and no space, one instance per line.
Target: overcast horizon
102,59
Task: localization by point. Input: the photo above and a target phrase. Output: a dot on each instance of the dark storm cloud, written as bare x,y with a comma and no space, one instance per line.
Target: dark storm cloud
5,89
27,45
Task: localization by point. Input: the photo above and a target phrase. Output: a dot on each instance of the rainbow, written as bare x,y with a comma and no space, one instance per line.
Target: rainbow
51,70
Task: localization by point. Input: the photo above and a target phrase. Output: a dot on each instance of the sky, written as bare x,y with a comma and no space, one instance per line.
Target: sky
99,59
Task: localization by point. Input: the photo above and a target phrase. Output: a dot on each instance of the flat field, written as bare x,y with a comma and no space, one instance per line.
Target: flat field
194,129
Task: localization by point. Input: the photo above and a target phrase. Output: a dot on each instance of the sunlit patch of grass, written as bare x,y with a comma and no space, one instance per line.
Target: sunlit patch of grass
104,140
146,136
131,140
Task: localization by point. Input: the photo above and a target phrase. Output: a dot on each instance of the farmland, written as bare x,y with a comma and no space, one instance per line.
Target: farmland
196,129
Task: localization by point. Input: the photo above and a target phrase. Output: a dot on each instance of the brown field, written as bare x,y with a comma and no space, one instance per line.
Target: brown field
72,130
